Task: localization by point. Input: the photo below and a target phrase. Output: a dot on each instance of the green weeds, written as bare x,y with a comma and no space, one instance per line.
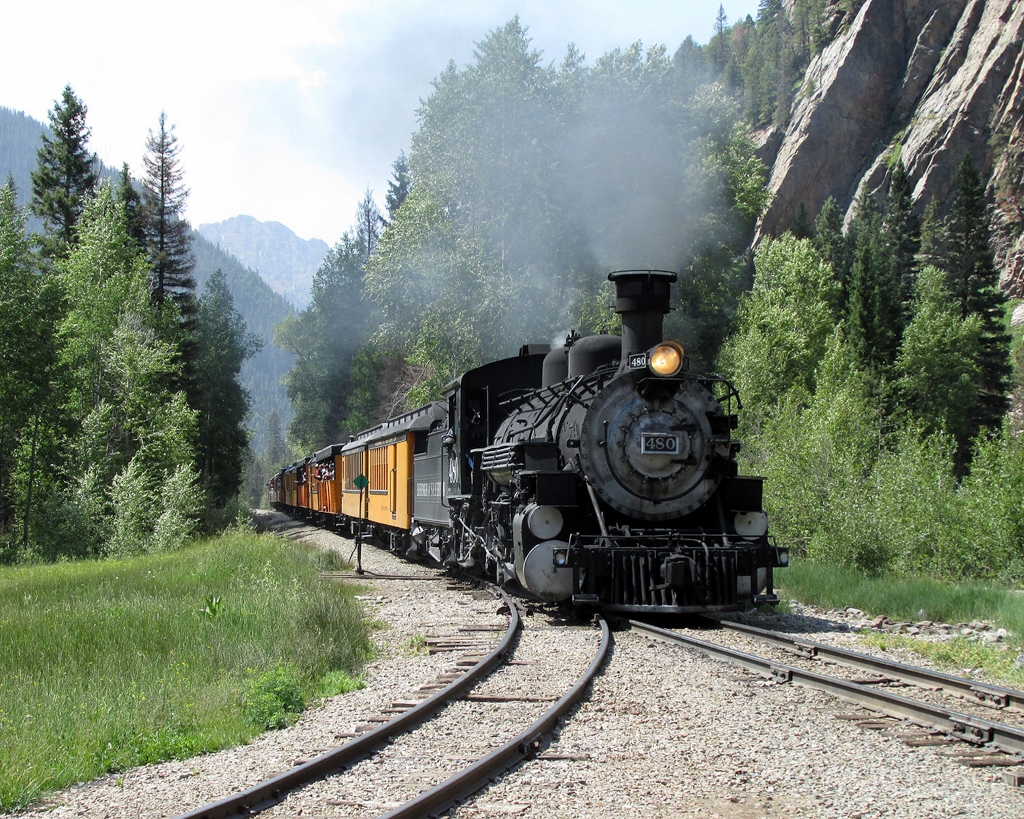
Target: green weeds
274,698
903,598
916,599
109,664
415,646
958,656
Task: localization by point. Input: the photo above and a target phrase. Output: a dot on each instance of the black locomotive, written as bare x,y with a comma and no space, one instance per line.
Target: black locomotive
602,472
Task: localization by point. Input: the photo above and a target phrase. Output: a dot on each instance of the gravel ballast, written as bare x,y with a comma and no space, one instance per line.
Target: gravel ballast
664,732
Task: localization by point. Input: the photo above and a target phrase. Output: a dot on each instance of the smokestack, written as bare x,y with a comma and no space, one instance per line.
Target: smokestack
642,299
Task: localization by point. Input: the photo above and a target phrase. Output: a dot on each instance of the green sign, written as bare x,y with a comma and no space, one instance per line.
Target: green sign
360,482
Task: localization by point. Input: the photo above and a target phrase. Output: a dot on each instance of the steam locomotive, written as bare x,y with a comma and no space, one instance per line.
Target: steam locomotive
601,472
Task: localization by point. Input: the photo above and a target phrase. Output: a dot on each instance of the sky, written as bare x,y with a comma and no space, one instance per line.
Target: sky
289,111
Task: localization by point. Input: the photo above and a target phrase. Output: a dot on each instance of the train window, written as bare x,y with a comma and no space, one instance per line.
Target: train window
352,467
379,469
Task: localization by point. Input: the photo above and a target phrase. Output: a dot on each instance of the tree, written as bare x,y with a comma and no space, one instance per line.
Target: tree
222,440
832,246
369,224
902,231
399,187
276,454
974,282
125,436
718,40
131,201
874,318
808,20
767,68
690,67
937,370
933,243
65,176
29,305
328,334
168,236
532,182
783,326
802,227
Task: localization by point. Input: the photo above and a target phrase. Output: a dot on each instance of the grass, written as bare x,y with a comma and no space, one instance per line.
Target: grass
958,656
917,599
110,664
415,646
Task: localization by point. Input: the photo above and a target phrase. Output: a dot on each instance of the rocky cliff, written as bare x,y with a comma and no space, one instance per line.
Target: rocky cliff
919,80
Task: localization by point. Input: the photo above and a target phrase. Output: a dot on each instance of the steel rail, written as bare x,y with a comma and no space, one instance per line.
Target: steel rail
932,717
272,791
471,779
371,576
983,693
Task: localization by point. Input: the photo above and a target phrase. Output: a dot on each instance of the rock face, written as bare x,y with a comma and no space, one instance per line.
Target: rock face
924,81
285,261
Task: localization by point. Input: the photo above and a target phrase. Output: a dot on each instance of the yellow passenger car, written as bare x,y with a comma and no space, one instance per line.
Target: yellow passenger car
377,468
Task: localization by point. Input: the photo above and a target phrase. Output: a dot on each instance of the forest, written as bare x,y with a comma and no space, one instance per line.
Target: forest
878,374
874,359
121,416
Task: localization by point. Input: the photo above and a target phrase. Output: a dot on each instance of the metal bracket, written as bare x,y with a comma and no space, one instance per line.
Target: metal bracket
990,697
781,675
801,650
977,733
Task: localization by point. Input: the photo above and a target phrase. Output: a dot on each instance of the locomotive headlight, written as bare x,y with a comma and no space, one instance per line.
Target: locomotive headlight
560,558
666,359
783,557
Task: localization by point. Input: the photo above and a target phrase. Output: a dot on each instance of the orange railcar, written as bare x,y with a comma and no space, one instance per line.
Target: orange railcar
325,469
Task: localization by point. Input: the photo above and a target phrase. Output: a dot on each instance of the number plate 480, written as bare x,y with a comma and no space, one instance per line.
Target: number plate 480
659,443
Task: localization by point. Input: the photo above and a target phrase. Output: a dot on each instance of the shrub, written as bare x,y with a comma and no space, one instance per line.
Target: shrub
274,698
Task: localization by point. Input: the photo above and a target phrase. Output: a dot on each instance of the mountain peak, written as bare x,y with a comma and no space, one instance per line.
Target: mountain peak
283,259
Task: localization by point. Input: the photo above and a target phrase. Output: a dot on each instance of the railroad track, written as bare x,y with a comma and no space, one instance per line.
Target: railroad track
928,720
505,678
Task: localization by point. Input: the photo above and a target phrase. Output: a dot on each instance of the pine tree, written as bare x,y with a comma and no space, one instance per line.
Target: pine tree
933,243
168,235
766,69
902,231
368,226
276,454
832,246
399,187
873,312
718,44
974,283
802,227
65,175
222,440
131,201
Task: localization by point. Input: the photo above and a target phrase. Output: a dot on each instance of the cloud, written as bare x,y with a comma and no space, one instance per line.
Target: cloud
283,109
